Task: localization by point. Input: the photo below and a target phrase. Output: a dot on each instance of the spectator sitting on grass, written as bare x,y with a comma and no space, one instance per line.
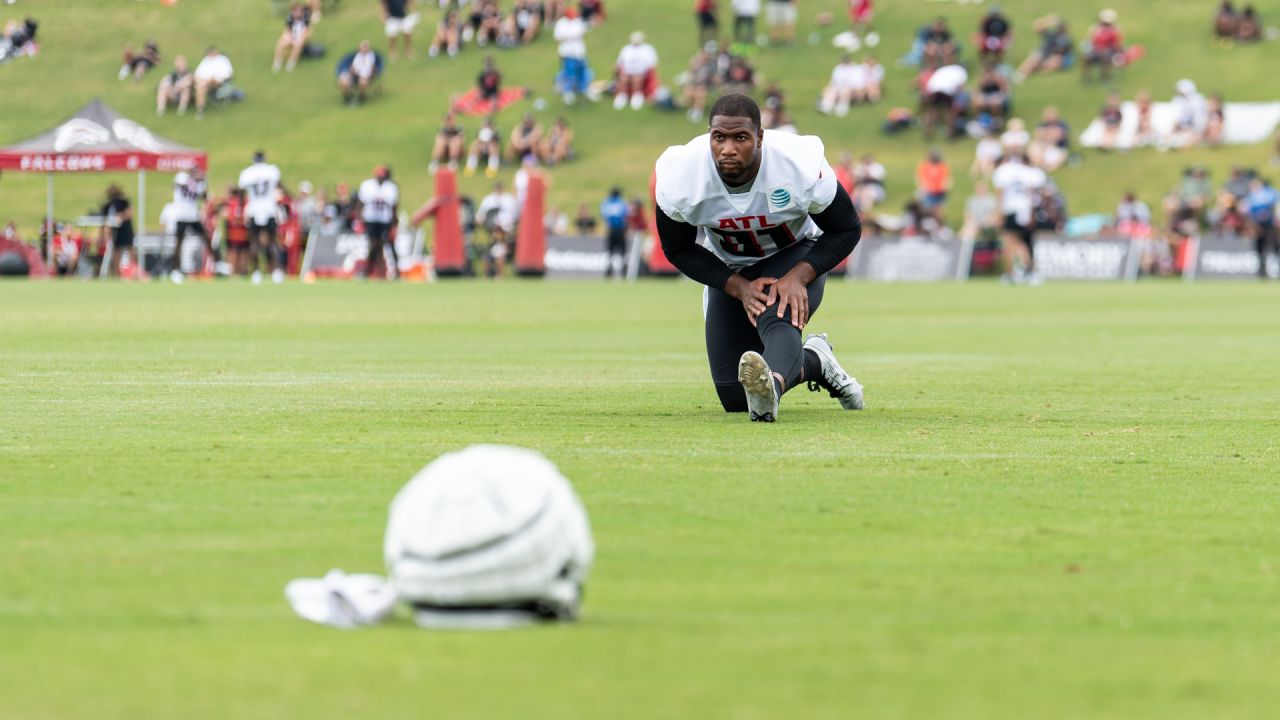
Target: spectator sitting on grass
1104,47
1215,121
774,115
356,73
868,178
1112,116
484,25
526,20
556,145
1191,114
297,30
137,63
1225,23
487,146
1056,51
213,72
993,96
995,33
847,85
1050,145
780,16
636,61
448,35
489,81
745,13
18,38
1250,27
524,139
449,144
175,87
939,45
986,154
697,83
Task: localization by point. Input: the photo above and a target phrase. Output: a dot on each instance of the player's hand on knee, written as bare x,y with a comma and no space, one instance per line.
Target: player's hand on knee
791,293
754,294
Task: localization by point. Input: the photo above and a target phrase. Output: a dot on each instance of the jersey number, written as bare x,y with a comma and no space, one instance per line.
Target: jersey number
747,242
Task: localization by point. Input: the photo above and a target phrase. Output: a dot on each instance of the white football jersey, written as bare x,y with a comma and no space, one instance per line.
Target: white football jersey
1018,184
260,182
188,193
794,182
378,201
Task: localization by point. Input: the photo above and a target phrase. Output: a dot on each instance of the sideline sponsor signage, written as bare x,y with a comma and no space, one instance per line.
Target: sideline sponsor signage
889,259
1225,257
575,257
1101,257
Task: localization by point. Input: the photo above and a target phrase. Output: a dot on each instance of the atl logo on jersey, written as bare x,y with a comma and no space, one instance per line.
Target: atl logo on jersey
751,235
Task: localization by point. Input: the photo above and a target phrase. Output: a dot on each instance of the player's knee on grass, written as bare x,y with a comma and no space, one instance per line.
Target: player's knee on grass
732,398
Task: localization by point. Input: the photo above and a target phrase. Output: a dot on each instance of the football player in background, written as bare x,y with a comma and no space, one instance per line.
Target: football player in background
379,199
189,192
775,221
260,182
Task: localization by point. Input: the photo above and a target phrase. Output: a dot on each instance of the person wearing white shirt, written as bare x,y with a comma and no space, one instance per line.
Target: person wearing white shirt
745,13
261,184
498,213
940,98
636,60
1018,185
379,200
190,189
213,71
355,79
847,82
873,78
569,33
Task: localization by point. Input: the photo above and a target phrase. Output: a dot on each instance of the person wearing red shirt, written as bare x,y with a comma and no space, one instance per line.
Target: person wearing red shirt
1105,45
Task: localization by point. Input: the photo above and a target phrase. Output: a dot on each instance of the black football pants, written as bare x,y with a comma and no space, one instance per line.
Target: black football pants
730,333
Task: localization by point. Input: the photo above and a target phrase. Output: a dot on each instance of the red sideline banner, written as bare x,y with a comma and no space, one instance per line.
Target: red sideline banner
449,255
658,262
531,237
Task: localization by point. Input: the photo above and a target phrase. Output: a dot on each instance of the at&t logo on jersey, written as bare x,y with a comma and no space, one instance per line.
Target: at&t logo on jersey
779,198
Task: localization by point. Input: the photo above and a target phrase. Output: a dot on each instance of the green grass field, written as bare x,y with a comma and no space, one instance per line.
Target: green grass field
299,120
1060,502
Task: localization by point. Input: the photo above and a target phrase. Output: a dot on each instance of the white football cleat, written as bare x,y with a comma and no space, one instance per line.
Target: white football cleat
176,277
277,276
757,382
835,380
256,278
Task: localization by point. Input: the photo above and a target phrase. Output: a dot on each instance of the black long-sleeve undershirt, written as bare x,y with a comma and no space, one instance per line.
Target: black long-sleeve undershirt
841,230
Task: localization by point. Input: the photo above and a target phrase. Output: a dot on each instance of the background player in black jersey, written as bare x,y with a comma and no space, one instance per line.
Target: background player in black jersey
775,221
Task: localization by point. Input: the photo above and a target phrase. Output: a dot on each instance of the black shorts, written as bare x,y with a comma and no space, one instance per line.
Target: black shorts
1011,225
122,241
185,227
706,21
941,100
255,227
729,332
616,241
379,231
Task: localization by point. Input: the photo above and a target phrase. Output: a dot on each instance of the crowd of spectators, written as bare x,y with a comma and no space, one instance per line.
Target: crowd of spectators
1232,26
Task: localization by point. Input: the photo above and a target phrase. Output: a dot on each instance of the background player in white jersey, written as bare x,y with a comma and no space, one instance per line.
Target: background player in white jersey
758,218
260,182
379,201
1018,185
190,189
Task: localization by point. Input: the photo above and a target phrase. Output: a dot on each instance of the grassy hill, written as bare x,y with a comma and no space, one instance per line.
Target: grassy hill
298,119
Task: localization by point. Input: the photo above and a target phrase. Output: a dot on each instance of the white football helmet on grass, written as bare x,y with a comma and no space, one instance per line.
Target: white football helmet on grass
489,536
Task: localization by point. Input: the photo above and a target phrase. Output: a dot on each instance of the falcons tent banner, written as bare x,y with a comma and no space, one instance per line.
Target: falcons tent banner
99,139
889,259
1102,257
1225,257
